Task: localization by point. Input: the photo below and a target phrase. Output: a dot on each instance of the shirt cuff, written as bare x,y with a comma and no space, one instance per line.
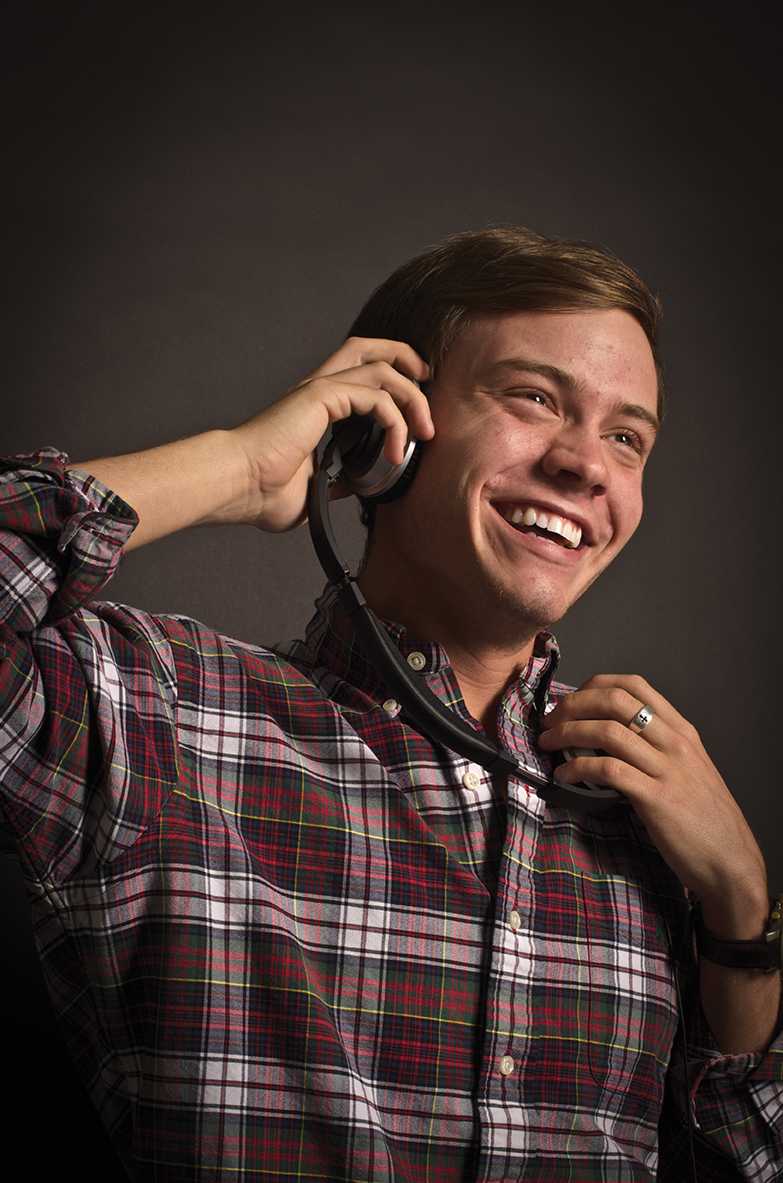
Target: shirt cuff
715,1075
64,530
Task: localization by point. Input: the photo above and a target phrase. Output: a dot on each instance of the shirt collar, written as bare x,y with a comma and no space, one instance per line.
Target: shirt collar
330,642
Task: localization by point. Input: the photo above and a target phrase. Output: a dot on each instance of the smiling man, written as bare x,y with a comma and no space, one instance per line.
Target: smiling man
289,936
551,414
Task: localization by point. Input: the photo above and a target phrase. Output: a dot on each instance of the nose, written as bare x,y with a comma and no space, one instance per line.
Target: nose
575,456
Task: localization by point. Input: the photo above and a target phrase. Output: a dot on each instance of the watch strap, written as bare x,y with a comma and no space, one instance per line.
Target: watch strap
762,953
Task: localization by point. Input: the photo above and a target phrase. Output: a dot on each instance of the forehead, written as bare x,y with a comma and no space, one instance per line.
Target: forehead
599,350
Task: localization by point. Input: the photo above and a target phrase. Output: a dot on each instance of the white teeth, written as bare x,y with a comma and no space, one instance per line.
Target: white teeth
555,524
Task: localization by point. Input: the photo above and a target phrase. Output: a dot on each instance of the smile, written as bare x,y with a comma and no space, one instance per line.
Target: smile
541,523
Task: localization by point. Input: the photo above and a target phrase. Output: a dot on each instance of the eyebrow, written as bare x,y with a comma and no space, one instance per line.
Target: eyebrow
568,382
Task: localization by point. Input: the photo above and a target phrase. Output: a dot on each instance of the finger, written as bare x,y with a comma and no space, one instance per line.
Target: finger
357,351
611,737
646,695
605,770
397,404
613,702
405,392
341,399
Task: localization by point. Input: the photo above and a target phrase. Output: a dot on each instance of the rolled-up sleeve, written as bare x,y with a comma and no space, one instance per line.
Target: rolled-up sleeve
87,690
737,1101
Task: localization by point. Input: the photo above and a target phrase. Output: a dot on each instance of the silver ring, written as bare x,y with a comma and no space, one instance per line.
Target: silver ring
641,719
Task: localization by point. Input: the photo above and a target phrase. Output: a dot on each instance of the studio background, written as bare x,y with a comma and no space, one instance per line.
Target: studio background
198,202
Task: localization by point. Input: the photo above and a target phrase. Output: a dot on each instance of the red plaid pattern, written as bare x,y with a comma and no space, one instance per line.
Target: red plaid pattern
289,939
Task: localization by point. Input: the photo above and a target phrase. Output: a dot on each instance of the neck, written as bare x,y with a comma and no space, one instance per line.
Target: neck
483,663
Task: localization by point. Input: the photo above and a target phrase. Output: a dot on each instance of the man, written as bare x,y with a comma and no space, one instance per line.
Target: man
288,935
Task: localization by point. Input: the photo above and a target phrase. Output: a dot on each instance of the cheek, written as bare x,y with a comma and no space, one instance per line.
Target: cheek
500,446
467,454
448,464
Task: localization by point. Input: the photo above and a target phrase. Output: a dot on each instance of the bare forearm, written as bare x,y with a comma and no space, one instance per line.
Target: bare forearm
259,472
740,1005
194,481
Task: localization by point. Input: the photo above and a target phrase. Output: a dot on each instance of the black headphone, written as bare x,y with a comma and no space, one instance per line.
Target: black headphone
354,452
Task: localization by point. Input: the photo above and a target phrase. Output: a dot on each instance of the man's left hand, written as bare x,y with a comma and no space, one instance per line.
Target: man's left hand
669,780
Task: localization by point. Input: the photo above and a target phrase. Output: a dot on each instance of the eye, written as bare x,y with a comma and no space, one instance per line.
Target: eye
532,395
632,440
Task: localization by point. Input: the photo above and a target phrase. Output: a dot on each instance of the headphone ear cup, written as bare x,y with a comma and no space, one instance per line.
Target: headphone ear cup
364,468
404,481
360,440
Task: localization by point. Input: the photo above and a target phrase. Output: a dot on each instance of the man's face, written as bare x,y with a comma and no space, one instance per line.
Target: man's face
544,411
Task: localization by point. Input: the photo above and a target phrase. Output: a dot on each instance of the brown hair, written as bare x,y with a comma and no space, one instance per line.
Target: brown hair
429,300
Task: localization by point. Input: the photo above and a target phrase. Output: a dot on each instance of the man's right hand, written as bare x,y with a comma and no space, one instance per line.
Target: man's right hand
258,473
365,376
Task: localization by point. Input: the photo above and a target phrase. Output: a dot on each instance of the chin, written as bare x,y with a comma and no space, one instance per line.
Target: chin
537,608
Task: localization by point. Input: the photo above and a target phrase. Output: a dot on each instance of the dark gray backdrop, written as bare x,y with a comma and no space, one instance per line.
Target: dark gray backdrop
198,201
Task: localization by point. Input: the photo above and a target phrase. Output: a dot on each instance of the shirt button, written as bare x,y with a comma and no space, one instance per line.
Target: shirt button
507,1065
391,706
515,920
416,660
471,779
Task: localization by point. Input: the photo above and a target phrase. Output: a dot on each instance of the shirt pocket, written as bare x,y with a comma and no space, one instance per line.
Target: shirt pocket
629,1008
608,921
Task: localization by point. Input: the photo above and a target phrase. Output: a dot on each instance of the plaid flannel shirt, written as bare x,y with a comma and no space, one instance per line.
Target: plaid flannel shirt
289,938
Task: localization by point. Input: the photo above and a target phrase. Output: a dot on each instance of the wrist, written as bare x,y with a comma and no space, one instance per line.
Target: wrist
239,489
763,951
738,913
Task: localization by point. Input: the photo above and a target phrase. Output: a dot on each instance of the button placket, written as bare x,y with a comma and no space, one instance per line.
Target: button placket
510,1015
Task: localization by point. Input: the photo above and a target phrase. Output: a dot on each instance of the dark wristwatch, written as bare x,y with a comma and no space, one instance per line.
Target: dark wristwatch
765,953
